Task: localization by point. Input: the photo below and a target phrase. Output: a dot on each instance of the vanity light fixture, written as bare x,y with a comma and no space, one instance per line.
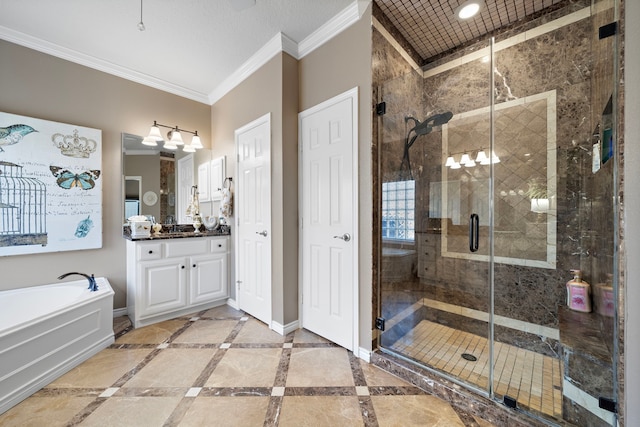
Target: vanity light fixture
468,9
482,157
151,142
470,160
494,158
173,139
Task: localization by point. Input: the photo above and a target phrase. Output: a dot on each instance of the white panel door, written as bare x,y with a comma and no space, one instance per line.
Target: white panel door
253,247
184,184
329,219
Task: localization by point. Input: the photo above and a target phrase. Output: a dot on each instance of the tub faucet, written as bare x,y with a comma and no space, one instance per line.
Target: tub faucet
93,286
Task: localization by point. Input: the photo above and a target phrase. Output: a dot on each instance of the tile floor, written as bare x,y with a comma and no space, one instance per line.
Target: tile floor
533,379
223,368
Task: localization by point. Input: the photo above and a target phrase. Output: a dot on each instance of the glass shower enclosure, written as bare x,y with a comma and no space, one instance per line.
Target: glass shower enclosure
497,175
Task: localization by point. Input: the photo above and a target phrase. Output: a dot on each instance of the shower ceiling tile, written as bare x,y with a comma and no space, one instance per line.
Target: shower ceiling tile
432,29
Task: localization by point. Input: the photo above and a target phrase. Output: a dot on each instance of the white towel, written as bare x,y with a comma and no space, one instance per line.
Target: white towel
226,206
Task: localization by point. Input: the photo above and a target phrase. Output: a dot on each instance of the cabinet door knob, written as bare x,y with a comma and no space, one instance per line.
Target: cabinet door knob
182,266
194,266
219,245
150,252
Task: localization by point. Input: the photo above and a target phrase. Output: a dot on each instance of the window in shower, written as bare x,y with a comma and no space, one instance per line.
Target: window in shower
398,210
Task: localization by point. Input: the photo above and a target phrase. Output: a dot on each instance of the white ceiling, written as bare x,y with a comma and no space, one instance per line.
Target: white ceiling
194,48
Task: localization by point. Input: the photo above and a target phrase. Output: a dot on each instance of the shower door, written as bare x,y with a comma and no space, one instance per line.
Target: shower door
435,220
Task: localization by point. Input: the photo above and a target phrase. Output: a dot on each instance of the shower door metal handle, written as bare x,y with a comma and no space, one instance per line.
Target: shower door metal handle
474,232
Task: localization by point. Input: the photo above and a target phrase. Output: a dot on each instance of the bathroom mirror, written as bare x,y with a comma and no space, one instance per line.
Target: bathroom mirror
152,184
524,162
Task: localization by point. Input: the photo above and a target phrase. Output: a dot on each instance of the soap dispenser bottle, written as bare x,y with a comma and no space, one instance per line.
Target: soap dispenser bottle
604,298
578,293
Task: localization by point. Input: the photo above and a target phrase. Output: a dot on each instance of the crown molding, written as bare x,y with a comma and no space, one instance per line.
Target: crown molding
279,43
98,64
282,43
349,16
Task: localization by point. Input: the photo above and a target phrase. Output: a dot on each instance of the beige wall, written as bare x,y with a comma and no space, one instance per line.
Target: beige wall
272,89
337,66
38,85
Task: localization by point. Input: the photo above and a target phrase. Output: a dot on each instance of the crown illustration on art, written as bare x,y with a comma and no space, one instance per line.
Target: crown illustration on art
74,145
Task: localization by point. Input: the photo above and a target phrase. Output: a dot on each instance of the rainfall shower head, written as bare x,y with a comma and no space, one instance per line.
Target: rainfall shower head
421,128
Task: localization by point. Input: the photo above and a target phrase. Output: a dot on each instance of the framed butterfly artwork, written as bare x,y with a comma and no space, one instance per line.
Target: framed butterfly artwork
50,186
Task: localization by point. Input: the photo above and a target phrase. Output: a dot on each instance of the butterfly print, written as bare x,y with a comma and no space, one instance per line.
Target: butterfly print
68,180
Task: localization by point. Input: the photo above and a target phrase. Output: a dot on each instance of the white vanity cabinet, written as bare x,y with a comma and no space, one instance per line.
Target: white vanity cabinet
173,277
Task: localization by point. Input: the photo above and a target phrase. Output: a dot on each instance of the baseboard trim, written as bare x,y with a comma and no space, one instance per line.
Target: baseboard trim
285,329
119,312
364,354
233,304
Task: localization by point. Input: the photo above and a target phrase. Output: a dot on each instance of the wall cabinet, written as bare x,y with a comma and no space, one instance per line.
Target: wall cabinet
173,277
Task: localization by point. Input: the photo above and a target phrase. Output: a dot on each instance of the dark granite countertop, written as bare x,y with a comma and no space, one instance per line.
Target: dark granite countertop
180,232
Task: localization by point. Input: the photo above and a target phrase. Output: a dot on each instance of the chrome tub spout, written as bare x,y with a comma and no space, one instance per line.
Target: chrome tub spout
93,286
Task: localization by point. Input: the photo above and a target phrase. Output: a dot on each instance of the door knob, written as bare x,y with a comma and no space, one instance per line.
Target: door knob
346,237
262,233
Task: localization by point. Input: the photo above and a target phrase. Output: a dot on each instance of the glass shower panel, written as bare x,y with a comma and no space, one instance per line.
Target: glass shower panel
434,296
553,213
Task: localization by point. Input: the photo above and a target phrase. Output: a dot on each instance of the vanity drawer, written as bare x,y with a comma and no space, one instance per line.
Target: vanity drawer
186,247
219,245
149,251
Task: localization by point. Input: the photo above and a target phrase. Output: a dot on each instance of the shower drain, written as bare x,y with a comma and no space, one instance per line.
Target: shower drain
469,357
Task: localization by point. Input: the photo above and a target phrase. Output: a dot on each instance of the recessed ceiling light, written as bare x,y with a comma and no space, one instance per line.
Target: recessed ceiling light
468,9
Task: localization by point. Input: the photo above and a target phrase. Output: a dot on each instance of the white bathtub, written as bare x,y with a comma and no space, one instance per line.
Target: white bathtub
47,330
398,264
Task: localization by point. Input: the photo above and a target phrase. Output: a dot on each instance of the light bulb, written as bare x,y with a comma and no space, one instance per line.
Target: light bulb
494,158
176,138
468,9
450,161
151,142
154,133
465,159
168,145
195,141
481,157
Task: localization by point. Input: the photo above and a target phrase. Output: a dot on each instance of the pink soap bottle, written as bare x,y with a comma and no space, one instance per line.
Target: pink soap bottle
578,293
604,297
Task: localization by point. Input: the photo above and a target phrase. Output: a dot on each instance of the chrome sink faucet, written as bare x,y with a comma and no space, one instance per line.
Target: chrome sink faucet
93,285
